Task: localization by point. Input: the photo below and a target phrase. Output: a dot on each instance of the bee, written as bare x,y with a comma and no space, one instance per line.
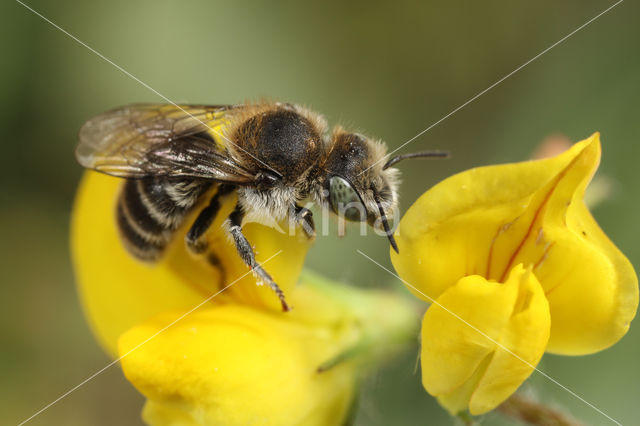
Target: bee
272,155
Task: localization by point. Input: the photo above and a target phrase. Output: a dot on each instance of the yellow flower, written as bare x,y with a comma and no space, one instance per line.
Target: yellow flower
463,356
119,291
235,365
460,246
237,359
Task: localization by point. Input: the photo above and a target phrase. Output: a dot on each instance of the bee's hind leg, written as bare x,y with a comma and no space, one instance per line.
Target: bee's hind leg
246,253
194,238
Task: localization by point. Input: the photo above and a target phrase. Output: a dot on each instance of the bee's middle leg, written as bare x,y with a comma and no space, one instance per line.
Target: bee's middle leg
248,256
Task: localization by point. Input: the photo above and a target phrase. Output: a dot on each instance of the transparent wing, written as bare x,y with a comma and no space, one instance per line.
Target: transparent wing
161,140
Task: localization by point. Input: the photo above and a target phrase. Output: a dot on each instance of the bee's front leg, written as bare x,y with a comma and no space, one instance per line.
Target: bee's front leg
246,253
304,218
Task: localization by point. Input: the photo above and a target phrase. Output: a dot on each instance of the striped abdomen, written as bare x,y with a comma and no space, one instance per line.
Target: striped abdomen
151,209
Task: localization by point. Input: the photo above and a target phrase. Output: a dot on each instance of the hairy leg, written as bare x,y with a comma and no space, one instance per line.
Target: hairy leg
246,253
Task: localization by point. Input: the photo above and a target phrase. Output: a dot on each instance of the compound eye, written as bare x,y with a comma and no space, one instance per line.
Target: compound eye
345,201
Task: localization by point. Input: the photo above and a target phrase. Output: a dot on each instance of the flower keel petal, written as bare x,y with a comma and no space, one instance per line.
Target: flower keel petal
482,339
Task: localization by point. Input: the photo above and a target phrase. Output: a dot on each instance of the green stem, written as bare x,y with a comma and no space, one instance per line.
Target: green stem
533,412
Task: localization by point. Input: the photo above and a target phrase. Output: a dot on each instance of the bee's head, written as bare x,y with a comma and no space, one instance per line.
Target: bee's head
356,184
359,182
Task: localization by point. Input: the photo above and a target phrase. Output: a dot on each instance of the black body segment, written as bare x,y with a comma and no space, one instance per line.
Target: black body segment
283,139
150,209
138,244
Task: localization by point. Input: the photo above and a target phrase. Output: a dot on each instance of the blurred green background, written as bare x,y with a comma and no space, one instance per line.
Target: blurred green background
387,69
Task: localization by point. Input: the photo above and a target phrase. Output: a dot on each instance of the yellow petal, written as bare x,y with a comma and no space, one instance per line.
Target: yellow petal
234,365
484,221
119,292
482,339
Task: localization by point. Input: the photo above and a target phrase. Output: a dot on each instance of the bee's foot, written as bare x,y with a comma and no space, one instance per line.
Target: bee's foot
266,278
283,301
285,306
